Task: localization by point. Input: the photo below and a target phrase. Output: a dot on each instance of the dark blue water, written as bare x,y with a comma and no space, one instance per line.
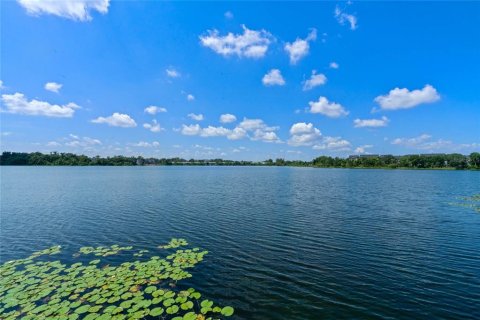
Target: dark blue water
285,243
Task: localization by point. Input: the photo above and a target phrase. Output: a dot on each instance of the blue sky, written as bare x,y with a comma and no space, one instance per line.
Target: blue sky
292,80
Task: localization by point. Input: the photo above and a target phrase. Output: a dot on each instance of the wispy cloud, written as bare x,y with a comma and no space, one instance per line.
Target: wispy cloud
371,123
79,10
343,17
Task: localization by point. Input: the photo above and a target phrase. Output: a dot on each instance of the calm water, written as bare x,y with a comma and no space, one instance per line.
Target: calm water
285,243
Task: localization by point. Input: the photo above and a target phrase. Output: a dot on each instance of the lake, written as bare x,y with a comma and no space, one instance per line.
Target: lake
284,243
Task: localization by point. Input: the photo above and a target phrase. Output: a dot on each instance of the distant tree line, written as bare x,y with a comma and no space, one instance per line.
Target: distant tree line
421,161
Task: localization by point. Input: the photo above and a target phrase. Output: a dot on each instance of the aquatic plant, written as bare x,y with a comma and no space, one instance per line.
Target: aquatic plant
472,202
174,243
33,288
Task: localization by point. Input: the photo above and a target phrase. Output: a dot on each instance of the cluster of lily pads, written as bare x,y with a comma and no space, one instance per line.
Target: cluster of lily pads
472,202
174,243
103,251
33,288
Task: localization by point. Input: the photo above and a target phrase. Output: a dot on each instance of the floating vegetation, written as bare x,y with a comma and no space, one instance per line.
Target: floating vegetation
140,253
103,251
33,289
175,243
472,202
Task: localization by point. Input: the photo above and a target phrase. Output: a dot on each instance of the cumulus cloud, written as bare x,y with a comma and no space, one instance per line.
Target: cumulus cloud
249,44
266,136
304,134
196,117
334,65
329,109
210,131
227,118
314,81
255,129
228,15
371,123
154,110
1,85
343,17
335,144
404,99
78,10
19,104
273,78
117,120
154,126
53,86
237,134
300,47
190,97
172,73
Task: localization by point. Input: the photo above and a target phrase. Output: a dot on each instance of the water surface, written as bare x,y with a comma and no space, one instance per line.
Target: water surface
285,243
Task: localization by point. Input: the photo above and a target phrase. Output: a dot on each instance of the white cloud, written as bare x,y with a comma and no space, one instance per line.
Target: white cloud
333,144
210,131
343,17
5,133
53,86
196,117
363,149
78,10
404,99
334,65
144,144
329,109
172,73
154,126
426,143
237,134
18,103
190,97
273,78
250,44
229,15
266,136
371,123
117,120
314,81
304,134
227,118
191,130
254,124
258,129
1,85
154,110
84,142
300,47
